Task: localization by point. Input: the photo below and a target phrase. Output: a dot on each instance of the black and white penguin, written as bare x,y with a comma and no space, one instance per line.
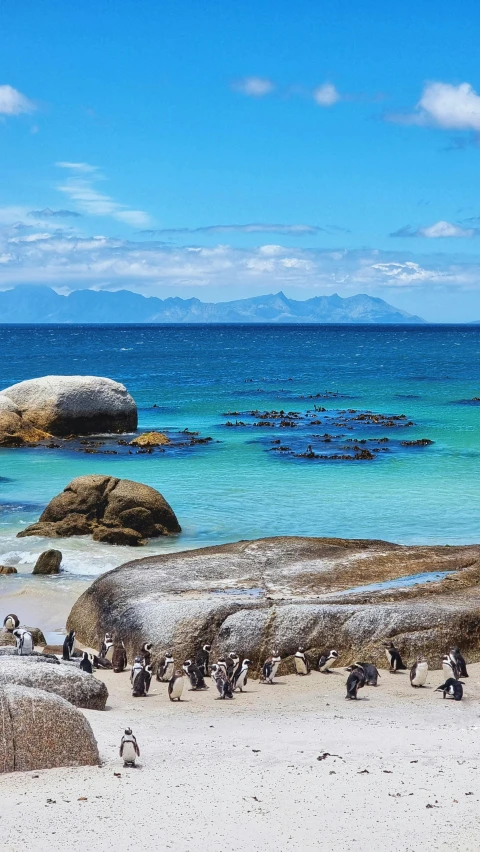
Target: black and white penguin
86,663
68,645
119,657
327,660
233,661
23,641
166,667
370,671
222,664
355,681
394,659
146,652
106,645
194,675
459,661
175,686
101,662
241,676
11,622
270,667
129,749
419,672
147,676
452,687
223,683
141,681
136,668
449,667
302,666
202,659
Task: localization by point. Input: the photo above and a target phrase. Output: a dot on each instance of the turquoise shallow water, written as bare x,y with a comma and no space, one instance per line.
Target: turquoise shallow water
236,488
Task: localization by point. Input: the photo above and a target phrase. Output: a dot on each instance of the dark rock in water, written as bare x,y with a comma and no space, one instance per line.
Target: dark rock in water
41,730
77,687
48,562
420,442
289,591
116,511
7,569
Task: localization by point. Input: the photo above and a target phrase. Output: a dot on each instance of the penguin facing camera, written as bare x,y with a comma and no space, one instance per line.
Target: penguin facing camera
175,686
166,667
449,667
23,641
270,667
302,666
241,676
129,749
419,672
459,662
11,622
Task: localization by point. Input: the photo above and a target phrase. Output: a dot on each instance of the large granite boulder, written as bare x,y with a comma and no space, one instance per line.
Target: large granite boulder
76,686
40,730
7,638
35,656
65,405
284,592
48,562
7,569
116,511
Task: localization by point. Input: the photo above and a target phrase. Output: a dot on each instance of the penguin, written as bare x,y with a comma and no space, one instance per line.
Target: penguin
394,659
166,667
146,652
68,646
326,661
175,686
119,657
419,672
241,676
449,667
355,681
371,672
232,662
203,658
136,669
223,684
270,667
129,749
101,662
147,676
194,675
106,645
86,663
459,661
452,687
11,622
23,641
222,664
302,665
141,680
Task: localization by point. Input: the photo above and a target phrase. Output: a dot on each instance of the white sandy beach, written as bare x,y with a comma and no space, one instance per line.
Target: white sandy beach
403,772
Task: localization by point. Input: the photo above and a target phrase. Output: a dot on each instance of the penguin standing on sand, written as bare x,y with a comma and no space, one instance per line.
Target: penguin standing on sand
419,672
240,678
119,657
106,645
166,667
129,749
141,680
147,676
175,686
146,652
370,671
232,662
203,658
23,640
327,660
302,666
449,667
136,672
86,663
394,659
355,681
194,675
222,683
459,662
452,688
269,669
68,646
11,622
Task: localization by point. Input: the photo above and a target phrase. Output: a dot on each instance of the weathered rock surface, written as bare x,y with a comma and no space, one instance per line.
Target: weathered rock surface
278,593
116,511
150,439
40,730
76,686
7,638
7,569
48,562
36,656
64,405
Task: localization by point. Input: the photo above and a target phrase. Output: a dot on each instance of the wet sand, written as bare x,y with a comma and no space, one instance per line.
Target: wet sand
402,772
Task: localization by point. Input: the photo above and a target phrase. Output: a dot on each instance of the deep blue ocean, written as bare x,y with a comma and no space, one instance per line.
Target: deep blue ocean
241,485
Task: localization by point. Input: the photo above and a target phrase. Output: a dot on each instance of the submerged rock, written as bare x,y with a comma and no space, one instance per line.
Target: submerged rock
41,730
150,439
48,562
77,687
116,511
284,592
64,405
7,569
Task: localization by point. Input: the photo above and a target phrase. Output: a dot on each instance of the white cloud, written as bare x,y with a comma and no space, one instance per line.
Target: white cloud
12,102
445,106
254,87
326,95
446,229
76,167
90,201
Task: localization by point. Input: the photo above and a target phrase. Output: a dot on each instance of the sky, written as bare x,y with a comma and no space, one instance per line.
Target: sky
226,150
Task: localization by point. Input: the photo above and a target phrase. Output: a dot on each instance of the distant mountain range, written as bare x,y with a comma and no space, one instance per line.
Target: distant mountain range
38,304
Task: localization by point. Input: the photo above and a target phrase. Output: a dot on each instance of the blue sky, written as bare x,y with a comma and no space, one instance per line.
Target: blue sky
224,150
